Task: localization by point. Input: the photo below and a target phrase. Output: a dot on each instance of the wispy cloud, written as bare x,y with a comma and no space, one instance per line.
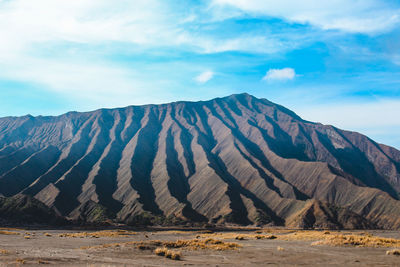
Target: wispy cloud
204,76
369,17
25,25
279,74
69,45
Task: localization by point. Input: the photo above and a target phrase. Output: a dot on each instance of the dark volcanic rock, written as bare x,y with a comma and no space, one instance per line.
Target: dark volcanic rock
236,159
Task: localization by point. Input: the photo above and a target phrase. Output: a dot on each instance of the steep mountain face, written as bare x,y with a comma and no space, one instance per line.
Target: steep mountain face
236,159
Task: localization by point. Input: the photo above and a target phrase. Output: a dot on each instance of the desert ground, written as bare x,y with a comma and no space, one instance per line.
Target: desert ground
234,247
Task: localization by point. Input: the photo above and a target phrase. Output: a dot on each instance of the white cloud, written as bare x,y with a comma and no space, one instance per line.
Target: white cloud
150,23
280,74
24,23
42,40
370,17
95,84
204,76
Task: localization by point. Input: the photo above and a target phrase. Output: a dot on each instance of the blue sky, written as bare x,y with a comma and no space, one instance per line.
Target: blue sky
335,62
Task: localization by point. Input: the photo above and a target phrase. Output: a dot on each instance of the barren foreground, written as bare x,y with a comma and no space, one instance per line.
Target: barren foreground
198,248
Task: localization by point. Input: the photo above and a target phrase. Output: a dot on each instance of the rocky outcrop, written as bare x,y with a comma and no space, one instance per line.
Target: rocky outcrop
25,210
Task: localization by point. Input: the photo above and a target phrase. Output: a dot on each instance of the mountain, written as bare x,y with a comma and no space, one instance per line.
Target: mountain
237,159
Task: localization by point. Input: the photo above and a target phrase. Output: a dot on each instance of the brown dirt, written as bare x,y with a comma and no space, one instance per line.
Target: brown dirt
290,247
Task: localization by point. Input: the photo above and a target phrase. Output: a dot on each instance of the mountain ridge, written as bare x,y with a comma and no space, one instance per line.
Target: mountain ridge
236,159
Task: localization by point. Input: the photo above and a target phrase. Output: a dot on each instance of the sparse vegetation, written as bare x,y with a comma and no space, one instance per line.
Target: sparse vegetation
4,252
27,237
178,246
177,232
8,233
160,251
173,255
233,235
20,261
395,252
358,241
202,244
191,244
10,229
98,234
47,234
170,254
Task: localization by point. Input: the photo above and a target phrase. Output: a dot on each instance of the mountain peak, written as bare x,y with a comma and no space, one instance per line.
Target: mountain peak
237,159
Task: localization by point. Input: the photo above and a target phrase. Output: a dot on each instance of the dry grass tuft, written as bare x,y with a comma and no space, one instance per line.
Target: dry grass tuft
306,235
27,237
195,244
233,235
395,252
275,231
177,232
43,262
8,233
362,239
170,254
358,241
20,261
280,248
4,252
190,244
98,234
10,229
160,251
47,234
173,255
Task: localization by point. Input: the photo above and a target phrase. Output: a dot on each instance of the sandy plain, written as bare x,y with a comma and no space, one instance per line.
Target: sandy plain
239,247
